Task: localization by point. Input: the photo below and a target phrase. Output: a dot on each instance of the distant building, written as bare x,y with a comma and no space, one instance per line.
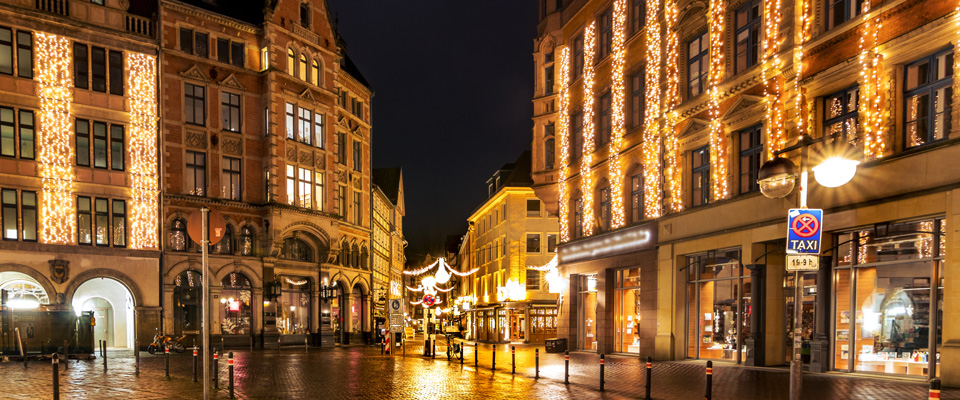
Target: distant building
388,241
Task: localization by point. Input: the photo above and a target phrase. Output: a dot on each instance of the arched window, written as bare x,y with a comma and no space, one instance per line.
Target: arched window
364,255
236,298
315,73
225,245
186,299
246,241
291,63
303,67
296,250
345,254
355,256
178,235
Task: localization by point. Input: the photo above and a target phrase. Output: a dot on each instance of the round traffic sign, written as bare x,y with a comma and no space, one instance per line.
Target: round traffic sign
805,225
429,300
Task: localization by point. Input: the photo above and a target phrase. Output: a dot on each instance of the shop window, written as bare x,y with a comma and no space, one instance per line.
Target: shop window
751,156
928,93
187,295
236,298
840,112
748,23
698,65
293,306
587,313
718,306
627,313
700,182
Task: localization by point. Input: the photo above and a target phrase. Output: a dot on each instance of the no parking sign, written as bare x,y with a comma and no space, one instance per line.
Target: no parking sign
803,230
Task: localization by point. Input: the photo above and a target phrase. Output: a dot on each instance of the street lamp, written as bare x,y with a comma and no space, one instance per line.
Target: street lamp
777,179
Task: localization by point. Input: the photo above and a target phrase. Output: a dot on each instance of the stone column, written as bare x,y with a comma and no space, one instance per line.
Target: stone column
950,303
755,340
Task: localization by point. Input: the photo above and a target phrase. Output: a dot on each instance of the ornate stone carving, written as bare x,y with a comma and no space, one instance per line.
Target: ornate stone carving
318,160
292,154
59,270
306,158
194,74
307,96
231,82
342,176
232,146
196,139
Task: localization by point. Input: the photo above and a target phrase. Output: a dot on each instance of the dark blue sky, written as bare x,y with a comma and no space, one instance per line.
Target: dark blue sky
453,83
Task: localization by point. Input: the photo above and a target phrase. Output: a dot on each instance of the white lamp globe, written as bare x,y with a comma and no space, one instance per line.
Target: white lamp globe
442,275
429,282
835,171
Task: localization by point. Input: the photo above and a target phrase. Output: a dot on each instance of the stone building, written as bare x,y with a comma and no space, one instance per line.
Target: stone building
78,169
267,121
652,120
388,241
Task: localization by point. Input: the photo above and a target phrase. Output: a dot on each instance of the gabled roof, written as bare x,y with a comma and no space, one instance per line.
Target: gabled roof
389,181
347,65
249,11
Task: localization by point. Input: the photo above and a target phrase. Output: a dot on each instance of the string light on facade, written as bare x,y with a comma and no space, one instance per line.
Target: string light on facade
718,140
805,26
619,94
773,84
58,223
871,87
651,126
671,99
142,149
563,131
586,183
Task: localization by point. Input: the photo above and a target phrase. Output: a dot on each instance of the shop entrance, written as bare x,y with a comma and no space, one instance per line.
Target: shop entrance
518,325
587,313
113,308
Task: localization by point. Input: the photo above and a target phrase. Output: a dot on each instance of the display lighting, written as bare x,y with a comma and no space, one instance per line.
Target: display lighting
141,80
563,131
671,99
619,92
871,90
805,26
772,84
718,139
512,291
651,126
55,89
586,181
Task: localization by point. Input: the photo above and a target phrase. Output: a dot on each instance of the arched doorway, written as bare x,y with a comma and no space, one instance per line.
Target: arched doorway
113,308
236,300
23,292
358,312
187,292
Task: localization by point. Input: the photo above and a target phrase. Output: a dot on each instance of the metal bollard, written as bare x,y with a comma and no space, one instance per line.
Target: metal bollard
166,361
601,372
494,364
195,364
536,363
462,347
476,355
230,371
381,347
136,356
306,347
513,359
649,375
216,370
709,380
66,356
56,376
448,351
104,352
278,345
934,388
566,366
433,353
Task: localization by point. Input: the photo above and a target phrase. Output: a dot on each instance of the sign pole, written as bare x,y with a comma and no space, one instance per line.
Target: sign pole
205,280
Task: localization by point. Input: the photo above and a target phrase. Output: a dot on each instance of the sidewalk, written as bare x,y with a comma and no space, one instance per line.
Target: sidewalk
625,375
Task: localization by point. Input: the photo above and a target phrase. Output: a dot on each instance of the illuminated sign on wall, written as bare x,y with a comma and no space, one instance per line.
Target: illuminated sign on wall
642,237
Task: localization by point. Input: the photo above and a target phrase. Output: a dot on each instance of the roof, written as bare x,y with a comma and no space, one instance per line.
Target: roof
347,65
520,174
249,11
388,179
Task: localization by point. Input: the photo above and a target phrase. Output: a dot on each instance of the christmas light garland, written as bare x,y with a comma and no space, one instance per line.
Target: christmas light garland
772,84
805,27
718,139
563,132
586,183
619,94
651,126
144,216
58,224
871,90
671,97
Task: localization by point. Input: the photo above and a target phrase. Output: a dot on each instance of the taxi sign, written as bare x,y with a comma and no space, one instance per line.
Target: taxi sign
803,230
802,262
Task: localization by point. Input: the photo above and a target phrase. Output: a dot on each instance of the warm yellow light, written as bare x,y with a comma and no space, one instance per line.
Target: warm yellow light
772,83
671,148
805,25
718,139
618,94
58,223
586,181
563,131
144,215
651,130
871,87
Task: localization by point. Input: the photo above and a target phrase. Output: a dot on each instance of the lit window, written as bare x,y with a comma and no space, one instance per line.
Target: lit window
698,65
751,156
748,20
700,163
928,93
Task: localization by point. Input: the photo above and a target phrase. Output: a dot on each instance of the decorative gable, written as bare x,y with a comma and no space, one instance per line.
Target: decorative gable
746,107
194,74
231,82
307,96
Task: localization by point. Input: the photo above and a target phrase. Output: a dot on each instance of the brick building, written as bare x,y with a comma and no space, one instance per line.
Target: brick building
652,120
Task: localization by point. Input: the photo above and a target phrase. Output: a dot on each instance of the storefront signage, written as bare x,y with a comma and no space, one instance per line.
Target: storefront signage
637,238
803,230
802,262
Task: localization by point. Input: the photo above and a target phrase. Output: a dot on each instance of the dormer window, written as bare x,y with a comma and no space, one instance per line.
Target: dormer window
305,14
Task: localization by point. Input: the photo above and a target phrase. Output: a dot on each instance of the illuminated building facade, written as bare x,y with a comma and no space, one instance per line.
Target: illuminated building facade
734,82
388,241
266,120
511,231
78,166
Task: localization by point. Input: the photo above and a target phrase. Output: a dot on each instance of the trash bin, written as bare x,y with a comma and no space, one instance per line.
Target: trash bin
556,345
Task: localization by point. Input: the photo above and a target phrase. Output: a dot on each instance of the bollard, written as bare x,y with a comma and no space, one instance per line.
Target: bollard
66,356
381,347
216,370
566,366
136,356
448,351
306,347
104,352
56,376
278,345
462,347
195,364
513,360
601,371
230,371
166,361
433,353
476,355
536,365
494,364
709,380
649,375
934,388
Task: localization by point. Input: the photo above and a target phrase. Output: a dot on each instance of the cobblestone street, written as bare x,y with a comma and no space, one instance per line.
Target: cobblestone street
362,373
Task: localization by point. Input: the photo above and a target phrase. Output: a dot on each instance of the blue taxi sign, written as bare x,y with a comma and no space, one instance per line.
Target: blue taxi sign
804,230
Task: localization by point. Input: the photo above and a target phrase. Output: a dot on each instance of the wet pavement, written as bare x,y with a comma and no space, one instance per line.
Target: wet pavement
363,373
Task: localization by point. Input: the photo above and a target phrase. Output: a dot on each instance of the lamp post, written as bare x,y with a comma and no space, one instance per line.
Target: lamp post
777,179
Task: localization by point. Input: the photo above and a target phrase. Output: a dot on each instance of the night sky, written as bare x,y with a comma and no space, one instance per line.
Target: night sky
453,84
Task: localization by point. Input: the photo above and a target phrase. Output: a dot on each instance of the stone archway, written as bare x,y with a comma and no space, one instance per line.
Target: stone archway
35,275
113,306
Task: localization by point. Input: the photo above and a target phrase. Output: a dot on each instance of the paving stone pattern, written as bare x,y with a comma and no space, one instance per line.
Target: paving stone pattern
362,373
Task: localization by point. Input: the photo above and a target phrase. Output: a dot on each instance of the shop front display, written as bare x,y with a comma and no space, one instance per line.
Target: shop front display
718,305
236,300
544,324
884,317
588,313
187,291
627,285
293,305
